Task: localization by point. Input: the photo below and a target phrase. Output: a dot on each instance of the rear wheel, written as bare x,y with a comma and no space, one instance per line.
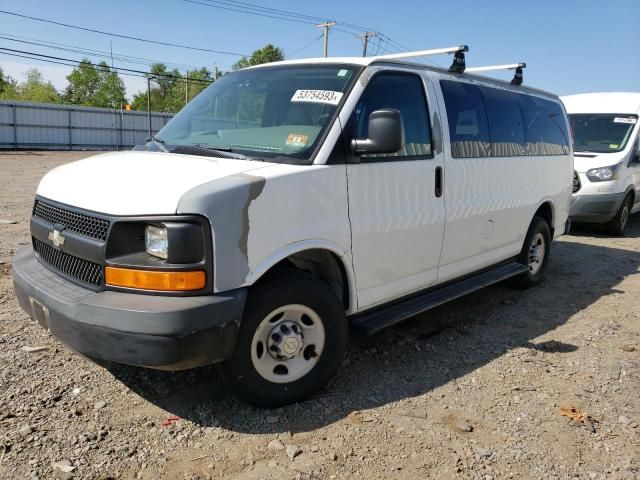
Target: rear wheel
291,341
618,224
535,254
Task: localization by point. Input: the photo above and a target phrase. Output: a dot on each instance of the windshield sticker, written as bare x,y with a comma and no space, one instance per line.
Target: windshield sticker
297,140
630,121
342,73
613,145
317,96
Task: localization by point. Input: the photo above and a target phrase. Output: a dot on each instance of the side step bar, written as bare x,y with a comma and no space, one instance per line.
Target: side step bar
371,322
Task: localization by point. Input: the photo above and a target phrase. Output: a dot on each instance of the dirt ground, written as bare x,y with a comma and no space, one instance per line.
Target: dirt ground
469,390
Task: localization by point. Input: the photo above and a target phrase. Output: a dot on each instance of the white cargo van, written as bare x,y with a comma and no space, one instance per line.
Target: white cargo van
607,158
289,201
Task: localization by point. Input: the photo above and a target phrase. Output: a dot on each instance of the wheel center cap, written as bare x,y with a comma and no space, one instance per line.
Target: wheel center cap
285,341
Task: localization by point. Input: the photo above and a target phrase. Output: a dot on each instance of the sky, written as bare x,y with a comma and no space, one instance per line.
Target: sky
570,46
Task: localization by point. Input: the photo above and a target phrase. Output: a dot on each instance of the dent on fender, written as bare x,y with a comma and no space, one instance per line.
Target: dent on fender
226,202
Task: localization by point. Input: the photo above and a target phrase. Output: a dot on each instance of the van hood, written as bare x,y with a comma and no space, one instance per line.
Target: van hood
136,183
583,161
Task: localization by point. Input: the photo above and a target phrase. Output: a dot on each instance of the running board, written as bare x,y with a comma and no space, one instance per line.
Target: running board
371,322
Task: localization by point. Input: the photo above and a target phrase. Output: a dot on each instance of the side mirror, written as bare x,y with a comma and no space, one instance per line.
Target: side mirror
386,133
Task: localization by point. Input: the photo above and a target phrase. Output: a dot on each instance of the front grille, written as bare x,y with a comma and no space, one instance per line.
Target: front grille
576,182
76,222
83,270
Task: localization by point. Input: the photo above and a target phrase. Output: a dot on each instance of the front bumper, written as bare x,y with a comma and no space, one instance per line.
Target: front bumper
163,332
598,208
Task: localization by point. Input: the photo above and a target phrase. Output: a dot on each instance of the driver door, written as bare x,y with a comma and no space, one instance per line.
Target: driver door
397,213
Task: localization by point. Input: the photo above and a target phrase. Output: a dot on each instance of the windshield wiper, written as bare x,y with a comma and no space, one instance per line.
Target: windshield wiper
225,150
158,142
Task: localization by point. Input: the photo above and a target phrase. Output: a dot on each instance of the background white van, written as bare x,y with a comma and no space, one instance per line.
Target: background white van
606,158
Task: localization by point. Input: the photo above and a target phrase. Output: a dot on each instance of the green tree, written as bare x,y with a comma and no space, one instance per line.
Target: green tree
3,82
110,91
83,83
267,54
170,89
8,87
36,89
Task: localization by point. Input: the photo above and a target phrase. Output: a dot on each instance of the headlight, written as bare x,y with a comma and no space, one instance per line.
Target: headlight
603,174
156,241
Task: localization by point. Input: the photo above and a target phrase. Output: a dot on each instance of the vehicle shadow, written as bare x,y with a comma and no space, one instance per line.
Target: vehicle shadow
598,230
415,357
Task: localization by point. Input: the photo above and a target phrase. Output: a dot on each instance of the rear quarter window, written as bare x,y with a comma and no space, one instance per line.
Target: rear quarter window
545,126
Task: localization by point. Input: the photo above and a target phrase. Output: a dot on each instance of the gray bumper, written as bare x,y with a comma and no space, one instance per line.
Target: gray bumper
595,208
164,332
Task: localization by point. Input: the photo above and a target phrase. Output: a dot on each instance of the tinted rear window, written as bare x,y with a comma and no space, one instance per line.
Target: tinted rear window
485,121
468,125
505,122
545,126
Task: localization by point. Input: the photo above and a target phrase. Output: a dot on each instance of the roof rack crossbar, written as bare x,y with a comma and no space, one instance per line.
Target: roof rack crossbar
423,53
518,67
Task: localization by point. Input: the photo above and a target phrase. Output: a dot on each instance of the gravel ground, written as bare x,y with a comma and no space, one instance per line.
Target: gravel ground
469,390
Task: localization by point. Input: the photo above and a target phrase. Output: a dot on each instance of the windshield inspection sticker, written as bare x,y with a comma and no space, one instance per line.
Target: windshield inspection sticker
317,96
297,140
630,121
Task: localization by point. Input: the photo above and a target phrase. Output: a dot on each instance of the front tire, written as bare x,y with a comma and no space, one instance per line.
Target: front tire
535,254
291,341
618,224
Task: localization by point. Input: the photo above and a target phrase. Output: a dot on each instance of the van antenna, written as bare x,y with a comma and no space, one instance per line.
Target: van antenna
457,66
518,67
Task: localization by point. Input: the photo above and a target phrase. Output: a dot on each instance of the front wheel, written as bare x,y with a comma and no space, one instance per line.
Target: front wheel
291,341
618,224
535,254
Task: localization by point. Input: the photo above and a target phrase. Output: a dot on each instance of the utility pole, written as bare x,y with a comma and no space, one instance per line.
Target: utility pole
149,103
326,26
365,37
186,89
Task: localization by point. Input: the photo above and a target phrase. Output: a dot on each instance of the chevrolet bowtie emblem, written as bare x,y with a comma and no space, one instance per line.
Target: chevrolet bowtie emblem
57,238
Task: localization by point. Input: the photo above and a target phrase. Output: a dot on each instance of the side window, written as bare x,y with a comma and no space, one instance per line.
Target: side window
544,126
403,92
468,125
505,122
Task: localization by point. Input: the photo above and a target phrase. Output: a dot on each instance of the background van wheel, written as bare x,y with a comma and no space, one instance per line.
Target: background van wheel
618,224
535,254
292,338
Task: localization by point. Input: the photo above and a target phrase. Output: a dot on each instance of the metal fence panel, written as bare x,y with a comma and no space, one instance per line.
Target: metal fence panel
26,125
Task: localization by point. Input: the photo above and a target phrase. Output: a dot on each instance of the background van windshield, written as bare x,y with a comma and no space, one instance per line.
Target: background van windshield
602,133
276,113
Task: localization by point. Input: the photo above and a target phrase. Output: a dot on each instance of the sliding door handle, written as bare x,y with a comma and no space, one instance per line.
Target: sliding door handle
438,189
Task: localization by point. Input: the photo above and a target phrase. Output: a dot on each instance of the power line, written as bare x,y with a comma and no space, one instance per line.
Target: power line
91,52
307,45
139,39
76,63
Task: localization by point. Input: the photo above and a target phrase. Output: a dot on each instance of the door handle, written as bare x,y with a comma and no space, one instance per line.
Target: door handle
438,189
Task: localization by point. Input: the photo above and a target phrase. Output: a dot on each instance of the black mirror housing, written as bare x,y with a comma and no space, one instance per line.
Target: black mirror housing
386,133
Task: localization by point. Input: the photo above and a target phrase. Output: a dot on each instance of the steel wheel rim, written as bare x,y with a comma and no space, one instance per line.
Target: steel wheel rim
537,251
292,361
624,216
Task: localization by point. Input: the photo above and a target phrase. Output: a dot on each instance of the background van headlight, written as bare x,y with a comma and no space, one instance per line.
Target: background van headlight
602,174
156,241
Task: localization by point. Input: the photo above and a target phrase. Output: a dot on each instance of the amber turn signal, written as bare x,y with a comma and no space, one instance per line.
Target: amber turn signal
155,280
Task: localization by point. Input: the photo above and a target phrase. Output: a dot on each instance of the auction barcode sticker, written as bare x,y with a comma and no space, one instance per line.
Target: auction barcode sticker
317,96
630,121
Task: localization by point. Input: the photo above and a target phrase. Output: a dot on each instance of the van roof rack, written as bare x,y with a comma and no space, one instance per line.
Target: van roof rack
458,65
518,67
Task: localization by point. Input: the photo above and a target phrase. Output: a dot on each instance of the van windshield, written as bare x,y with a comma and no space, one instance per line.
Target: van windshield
603,132
274,113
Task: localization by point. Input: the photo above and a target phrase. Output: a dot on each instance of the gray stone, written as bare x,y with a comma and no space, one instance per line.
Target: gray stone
293,451
26,430
99,405
275,445
482,452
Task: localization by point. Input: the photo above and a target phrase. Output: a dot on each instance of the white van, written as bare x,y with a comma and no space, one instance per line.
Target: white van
289,201
607,158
